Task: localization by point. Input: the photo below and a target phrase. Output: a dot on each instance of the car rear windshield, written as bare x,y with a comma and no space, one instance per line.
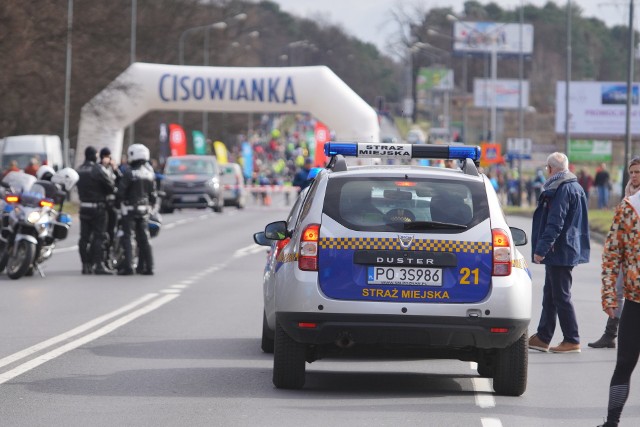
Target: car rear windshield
392,204
190,166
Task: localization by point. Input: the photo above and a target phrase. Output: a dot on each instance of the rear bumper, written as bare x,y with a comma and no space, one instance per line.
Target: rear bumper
430,332
191,200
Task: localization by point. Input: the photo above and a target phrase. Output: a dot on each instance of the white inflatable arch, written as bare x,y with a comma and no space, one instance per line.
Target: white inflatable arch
145,87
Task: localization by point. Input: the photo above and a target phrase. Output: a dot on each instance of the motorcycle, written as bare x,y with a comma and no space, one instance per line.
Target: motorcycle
31,225
114,253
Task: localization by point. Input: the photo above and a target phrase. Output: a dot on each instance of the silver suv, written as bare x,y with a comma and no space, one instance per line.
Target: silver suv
396,261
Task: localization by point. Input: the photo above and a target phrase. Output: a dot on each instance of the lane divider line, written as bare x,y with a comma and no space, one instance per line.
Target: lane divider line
108,328
491,422
73,332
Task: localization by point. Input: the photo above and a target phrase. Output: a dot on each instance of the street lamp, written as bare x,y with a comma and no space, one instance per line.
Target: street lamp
218,26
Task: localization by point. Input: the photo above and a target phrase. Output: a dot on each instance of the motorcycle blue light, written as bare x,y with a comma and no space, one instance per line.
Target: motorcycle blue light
64,218
464,152
344,148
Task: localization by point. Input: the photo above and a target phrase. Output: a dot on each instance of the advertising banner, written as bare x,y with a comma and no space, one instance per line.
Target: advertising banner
434,79
199,143
589,150
506,91
247,160
321,132
221,152
597,108
483,37
177,140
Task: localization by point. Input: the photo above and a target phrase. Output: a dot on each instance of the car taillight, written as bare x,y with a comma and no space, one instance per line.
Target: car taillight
308,256
501,252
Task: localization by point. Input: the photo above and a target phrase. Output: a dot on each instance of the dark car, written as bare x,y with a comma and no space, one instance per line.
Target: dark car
191,182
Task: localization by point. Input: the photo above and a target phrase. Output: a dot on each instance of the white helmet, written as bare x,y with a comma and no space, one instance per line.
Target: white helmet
45,173
137,152
66,178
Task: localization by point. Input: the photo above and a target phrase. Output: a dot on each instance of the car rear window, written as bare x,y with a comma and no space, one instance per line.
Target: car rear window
392,204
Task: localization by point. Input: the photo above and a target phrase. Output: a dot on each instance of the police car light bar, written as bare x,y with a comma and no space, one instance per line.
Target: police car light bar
402,151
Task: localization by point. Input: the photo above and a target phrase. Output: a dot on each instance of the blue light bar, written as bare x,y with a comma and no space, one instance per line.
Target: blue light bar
402,151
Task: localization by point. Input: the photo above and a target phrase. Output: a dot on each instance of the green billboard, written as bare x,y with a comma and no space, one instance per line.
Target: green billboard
589,150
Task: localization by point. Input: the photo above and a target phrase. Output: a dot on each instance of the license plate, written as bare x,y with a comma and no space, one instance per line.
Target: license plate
193,198
408,276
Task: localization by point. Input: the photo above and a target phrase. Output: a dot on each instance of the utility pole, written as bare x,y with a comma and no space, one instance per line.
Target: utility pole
568,82
628,141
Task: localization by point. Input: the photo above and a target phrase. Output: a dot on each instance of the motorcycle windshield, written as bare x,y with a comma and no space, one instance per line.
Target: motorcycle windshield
19,182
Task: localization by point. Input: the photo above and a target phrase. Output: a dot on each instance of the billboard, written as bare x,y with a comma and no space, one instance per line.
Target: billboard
483,37
589,150
434,79
597,108
506,91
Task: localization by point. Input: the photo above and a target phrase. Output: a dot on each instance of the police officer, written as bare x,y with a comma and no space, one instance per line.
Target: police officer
137,195
94,185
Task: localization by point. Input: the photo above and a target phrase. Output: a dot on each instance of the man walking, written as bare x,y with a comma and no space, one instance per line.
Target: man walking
560,241
94,186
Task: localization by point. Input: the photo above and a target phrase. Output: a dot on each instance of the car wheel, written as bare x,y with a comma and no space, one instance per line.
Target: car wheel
288,361
510,376
267,336
485,368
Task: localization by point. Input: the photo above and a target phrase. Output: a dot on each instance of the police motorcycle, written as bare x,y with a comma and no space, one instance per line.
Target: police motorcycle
114,255
31,224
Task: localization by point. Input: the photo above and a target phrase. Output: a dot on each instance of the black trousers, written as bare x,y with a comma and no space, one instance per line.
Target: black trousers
138,225
93,225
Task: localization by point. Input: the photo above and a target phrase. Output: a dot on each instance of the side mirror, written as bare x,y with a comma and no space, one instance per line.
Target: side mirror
519,236
261,239
276,230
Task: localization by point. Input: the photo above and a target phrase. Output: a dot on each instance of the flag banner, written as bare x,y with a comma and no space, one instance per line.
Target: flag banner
321,132
221,152
247,156
199,143
177,140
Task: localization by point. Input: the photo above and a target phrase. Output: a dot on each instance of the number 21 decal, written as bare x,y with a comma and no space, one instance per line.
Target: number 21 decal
469,274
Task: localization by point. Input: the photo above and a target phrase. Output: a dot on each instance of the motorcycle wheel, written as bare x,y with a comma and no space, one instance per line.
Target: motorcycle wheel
116,254
4,255
20,259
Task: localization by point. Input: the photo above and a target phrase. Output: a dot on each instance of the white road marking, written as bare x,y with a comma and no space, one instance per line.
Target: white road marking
491,422
251,249
73,332
108,328
68,249
483,393
170,291
180,286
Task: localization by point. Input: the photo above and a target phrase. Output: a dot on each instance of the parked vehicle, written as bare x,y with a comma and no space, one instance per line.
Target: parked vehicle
22,148
232,181
191,181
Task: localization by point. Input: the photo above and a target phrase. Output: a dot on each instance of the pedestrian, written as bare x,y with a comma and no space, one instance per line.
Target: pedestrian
538,183
586,182
137,195
300,179
560,241
608,339
13,167
94,185
621,255
112,214
32,167
603,185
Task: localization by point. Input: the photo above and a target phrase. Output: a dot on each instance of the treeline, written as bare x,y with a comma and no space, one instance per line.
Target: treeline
33,35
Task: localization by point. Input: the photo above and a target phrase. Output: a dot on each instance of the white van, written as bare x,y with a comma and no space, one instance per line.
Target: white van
22,148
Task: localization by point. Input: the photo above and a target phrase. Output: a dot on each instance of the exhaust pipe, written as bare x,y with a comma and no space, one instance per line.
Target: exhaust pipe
345,340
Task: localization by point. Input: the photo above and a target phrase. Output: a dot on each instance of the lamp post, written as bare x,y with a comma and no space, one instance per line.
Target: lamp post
134,21
217,25
67,84
628,140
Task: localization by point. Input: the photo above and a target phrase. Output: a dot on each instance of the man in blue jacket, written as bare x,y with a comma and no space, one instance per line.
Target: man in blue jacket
560,241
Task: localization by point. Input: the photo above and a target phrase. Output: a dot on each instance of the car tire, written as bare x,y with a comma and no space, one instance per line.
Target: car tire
267,336
510,376
288,361
485,368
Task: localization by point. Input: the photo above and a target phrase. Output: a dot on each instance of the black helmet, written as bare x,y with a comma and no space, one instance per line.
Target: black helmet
90,154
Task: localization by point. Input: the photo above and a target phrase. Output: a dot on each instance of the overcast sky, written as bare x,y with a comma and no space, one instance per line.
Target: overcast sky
365,19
